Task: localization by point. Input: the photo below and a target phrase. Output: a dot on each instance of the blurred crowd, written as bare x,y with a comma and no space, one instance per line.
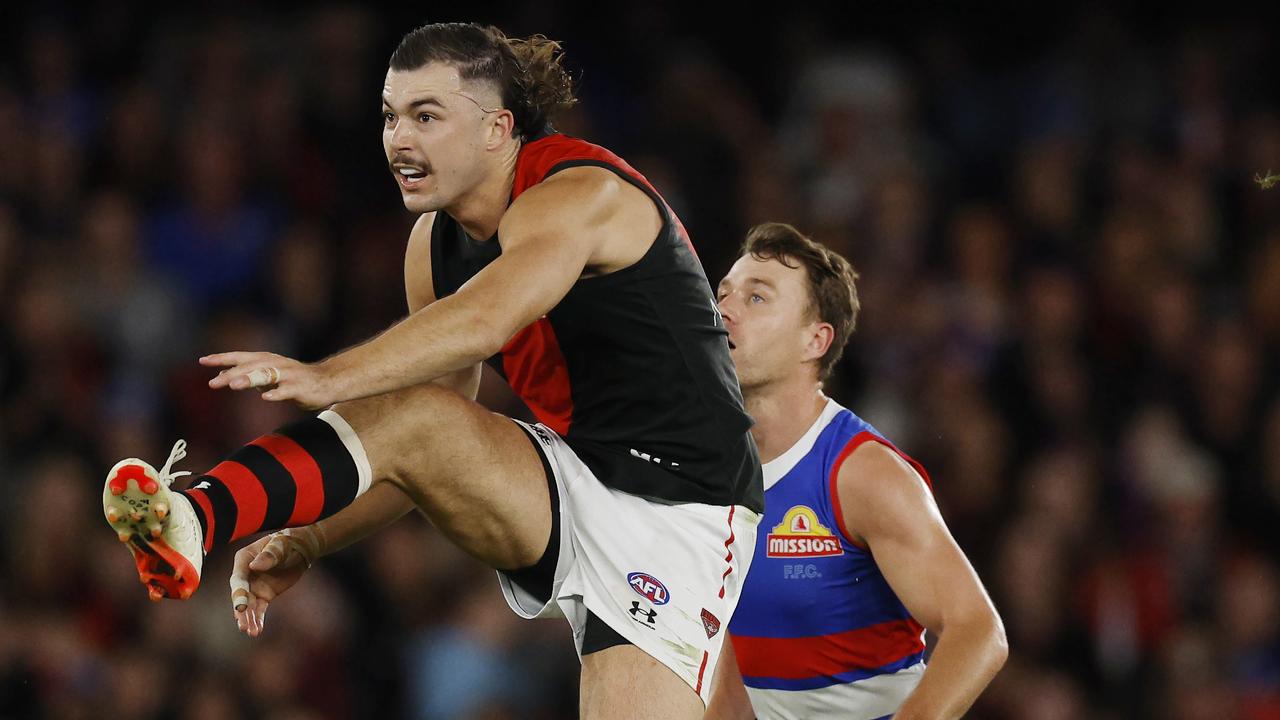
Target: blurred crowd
1071,316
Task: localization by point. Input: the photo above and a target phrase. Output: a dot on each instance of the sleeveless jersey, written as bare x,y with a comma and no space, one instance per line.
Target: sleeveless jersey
818,631
631,368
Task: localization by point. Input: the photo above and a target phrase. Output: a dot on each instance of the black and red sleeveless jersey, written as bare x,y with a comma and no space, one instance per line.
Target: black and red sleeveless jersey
632,368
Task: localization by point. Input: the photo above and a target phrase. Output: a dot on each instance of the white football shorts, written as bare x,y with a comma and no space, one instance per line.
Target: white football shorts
665,576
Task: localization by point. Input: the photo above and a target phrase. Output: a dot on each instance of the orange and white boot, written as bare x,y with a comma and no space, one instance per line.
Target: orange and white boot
159,526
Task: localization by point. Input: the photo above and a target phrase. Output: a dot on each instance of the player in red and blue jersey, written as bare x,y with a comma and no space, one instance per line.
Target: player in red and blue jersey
853,560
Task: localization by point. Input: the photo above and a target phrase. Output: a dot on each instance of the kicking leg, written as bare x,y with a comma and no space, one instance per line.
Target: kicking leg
475,473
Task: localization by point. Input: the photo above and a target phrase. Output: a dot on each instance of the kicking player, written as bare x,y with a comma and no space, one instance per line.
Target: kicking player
630,508
852,560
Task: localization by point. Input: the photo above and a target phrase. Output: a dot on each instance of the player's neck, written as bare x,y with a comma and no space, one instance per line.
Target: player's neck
480,210
783,412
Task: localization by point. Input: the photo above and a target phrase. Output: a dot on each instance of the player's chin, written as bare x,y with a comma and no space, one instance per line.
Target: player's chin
418,202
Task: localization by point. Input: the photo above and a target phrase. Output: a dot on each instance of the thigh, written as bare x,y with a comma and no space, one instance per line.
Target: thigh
476,474
624,682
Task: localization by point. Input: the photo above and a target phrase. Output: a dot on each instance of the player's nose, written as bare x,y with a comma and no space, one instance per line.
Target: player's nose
400,136
728,310
725,313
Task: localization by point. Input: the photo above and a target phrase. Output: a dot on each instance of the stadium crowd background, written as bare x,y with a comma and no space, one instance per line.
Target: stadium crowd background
1070,283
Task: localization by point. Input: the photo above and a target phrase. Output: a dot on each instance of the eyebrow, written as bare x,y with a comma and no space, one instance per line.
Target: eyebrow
429,100
747,282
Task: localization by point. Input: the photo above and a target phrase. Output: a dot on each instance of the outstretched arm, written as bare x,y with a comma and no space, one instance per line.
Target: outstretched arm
549,236
886,505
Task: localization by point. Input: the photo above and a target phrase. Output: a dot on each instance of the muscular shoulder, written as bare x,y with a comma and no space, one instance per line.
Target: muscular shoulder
588,194
880,493
591,205
585,179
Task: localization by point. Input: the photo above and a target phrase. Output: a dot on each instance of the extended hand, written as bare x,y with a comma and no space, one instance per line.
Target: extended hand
265,569
281,378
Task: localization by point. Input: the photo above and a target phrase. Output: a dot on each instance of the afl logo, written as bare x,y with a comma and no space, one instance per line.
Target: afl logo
650,587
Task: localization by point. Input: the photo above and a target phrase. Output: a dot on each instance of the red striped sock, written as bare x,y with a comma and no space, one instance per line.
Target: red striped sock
297,475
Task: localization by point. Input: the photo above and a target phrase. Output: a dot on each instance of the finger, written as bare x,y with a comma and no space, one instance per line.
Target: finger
245,377
258,615
240,594
244,620
278,394
237,377
264,376
231,359
265,561
250,628
270,555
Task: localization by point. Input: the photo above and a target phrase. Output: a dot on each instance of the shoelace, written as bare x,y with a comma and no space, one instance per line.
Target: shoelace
178,452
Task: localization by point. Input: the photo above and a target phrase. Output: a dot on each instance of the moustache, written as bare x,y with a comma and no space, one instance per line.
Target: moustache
402,159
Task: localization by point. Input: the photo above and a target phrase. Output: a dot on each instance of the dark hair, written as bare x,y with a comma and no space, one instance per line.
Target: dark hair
527,71
833,294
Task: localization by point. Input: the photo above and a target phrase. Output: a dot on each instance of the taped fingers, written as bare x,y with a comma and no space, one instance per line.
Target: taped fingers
272,553
240,595
264,377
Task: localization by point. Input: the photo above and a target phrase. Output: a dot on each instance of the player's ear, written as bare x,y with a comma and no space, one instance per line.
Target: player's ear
502,126
822,334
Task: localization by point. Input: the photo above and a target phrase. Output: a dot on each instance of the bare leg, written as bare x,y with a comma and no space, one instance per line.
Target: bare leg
624,682
475,473
478,477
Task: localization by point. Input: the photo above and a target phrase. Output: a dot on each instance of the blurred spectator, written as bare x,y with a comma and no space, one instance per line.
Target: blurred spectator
212,239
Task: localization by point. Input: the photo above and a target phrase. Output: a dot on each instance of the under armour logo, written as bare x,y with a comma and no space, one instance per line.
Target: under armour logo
648,614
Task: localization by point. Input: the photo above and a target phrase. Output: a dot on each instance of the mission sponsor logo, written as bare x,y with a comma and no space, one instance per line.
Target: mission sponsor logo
801,535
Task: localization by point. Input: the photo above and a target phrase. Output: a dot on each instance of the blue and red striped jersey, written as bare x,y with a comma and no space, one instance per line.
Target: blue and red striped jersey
818,631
